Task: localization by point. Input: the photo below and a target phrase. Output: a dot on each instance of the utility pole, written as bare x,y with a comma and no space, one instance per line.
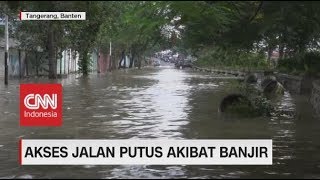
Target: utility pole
110,47
110,64
6,54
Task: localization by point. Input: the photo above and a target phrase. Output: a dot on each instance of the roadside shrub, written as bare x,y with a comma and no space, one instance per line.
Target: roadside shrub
306,63
259,105
229,58
311,62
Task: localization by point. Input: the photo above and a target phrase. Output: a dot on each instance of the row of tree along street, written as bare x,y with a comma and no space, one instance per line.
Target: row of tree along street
219,33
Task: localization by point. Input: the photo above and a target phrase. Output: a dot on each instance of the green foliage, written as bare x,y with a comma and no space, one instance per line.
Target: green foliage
259,105
220,58
49,36
83,34
262,106
304,63
2,31
235,27
220,33
85,63
242,108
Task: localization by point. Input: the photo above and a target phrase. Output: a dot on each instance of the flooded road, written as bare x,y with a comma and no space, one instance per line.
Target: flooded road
161,103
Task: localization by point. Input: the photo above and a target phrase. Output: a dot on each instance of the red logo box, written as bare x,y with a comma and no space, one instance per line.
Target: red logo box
40,105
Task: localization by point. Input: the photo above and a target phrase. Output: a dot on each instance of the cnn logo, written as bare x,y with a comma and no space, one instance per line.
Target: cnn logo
44,101
40,105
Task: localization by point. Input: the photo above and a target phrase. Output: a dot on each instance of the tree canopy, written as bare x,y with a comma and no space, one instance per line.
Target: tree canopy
219,28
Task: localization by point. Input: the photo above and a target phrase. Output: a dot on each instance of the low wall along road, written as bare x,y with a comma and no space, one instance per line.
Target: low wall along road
315,96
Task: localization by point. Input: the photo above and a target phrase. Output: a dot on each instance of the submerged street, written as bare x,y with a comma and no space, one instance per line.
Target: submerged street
161,103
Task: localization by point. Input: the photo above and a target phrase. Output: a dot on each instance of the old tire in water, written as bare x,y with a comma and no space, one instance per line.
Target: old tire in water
234,100
267,80
273,87
251,78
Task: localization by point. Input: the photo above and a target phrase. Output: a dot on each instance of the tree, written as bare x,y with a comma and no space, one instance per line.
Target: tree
50,37
134,28
82,34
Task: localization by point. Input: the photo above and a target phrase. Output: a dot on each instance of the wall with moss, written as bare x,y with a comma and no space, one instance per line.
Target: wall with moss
315,96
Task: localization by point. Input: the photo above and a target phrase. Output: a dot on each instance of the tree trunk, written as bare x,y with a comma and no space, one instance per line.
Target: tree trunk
51,49
98,62
37,64
84,62
301,48
65,60
75,63
26,64
110,63
270,50
139,62
281,51
69,60
20,69
60,66
269,53
132,60
124,59
114,60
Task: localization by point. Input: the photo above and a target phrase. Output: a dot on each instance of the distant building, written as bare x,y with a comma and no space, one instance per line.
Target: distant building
274,58
275,55
104,63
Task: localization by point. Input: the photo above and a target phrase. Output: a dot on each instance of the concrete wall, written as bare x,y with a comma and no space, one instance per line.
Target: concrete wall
94,61
32,63
14,65
296,84
36,64
291,83
315,96
68,63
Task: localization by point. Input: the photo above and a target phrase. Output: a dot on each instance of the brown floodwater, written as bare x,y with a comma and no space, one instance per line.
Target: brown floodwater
161,103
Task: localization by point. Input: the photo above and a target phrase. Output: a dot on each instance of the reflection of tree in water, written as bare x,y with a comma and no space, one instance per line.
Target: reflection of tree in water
85,99
87,91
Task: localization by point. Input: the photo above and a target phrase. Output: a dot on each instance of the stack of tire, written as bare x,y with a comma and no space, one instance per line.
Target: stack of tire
271,86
